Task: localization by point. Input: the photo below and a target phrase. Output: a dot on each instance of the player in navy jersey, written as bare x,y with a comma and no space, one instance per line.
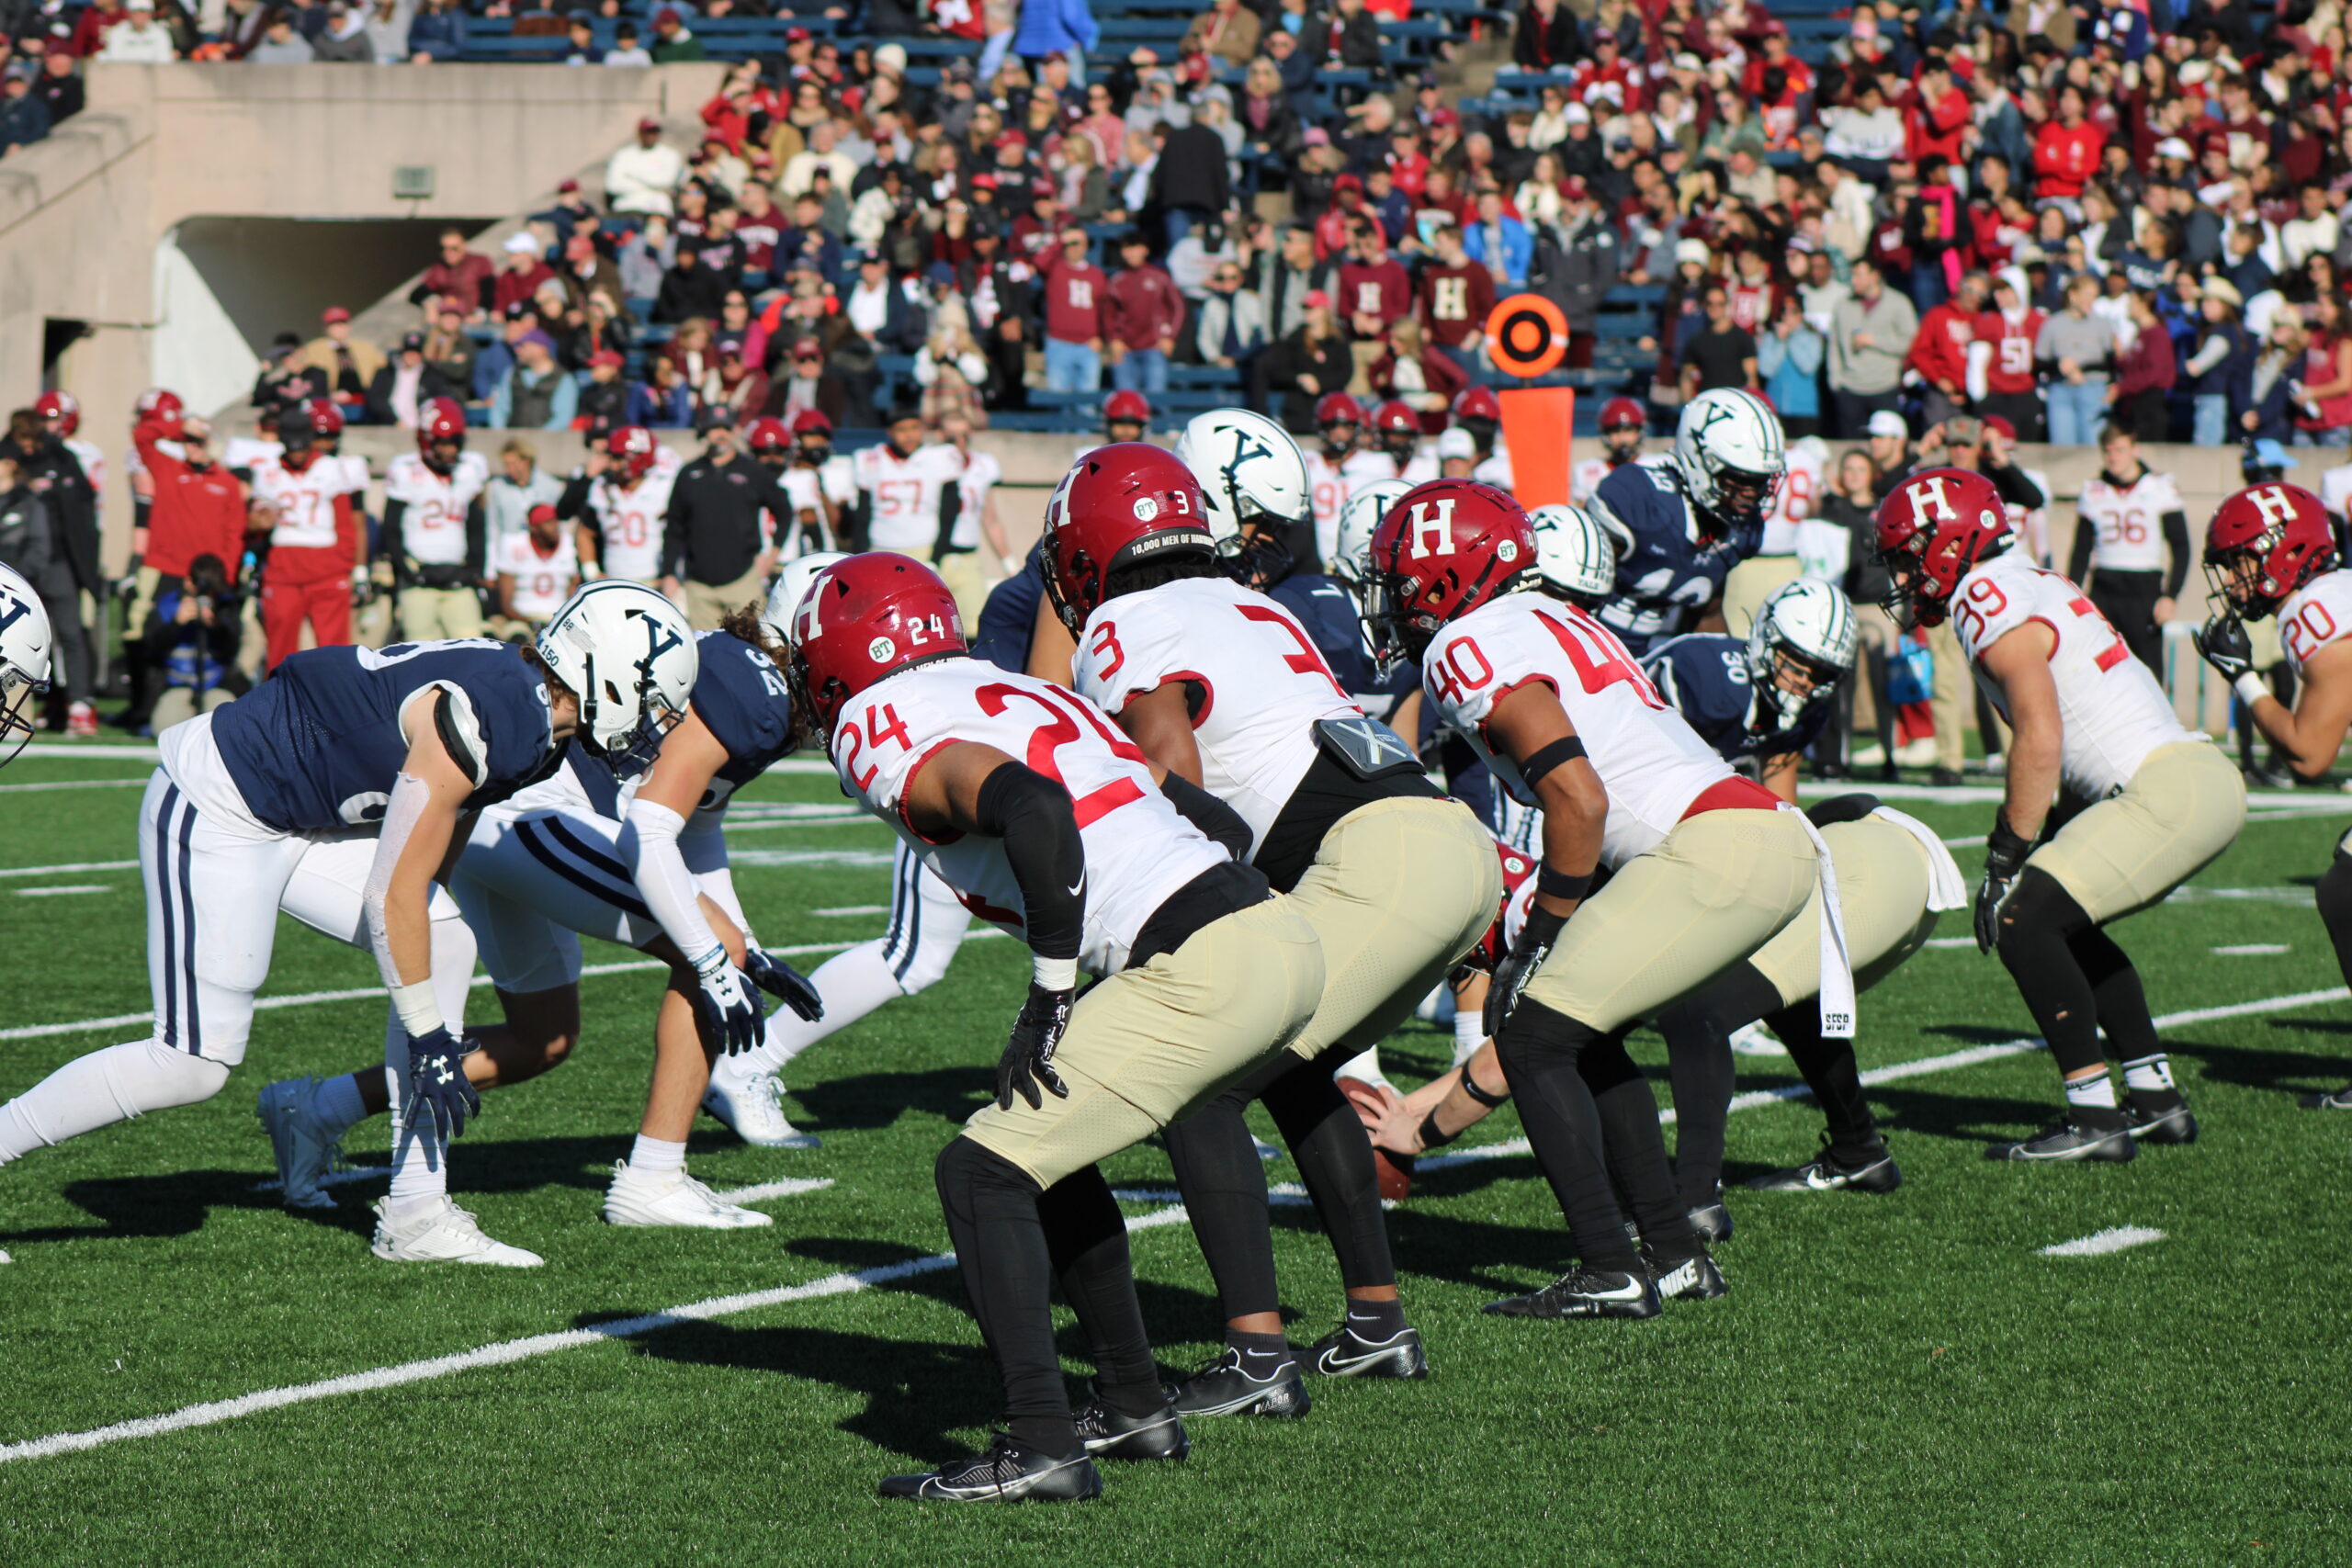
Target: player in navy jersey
334,791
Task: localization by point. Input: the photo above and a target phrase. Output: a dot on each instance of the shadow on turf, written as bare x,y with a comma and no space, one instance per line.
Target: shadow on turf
178,1204
2295,1073
868,1100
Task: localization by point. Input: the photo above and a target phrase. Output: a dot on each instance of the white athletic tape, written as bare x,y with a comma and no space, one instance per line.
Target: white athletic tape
2100,1243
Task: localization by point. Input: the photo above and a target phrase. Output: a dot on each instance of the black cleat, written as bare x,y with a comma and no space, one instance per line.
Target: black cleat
1009,1472
1713,1221
1826,1173
1227,1387
1110,1435
2070,1140
1342,1353
1587,1292
1695,1279
2340,1101
2158,1122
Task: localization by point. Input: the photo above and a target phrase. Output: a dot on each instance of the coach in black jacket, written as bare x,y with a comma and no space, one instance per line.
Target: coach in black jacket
712,551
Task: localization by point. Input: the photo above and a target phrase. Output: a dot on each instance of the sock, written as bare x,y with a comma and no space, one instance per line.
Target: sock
1334,1157
2039,924
420,1155
1830,1071
1376,1321
337,1104
1262,1354
1539,1050
1469,1033
117,1084
853,982
2150,1075
2091,1094
990,1206
1086,1237
656,1157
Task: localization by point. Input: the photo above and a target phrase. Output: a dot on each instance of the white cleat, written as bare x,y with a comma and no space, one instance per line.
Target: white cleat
305,1153
443,1234
751,1102
672,1197
1755,1039
5,1258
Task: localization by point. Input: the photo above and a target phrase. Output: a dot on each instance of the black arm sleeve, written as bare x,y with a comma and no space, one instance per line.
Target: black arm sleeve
1034,817
951,507
2079,560
1207,813
2176,542
857,518
573,502
478,538
389,542
2015,488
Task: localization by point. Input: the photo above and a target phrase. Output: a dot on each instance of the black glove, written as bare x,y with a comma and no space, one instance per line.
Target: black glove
727,1009
2005,853
437,1085
2225,646
1028,1058
784,983
1519,966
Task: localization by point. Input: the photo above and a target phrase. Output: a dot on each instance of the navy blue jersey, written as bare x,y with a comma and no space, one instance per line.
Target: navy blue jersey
1668,575
1328,611
1010,618
318,746
747,704
1706,676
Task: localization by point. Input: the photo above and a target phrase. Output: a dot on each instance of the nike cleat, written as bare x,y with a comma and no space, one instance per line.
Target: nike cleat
1227,1387
1713,1221
1695,1279
1587,1292
1826,1172
1343,1353
672,1197
1009,1472
443,1234
2071,1141
2340,1101
751,1102
1110,1435
2160,1124
306,1154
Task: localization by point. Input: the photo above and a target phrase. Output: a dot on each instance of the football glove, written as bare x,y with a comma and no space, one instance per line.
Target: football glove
2005,853
727,1009
1536,939
1028,1058
438,1084
784,983
2224,642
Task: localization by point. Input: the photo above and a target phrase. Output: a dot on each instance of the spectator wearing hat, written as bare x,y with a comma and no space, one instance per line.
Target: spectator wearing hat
802,384
397,392
627,50
2220,366
645,177
1870,338
674,42
536,393
603,403
714,556
59,86
24,118
523,271
1145,315
437,31
1303,367
571,214
347,363
345,37
1078,317
137,39
457,273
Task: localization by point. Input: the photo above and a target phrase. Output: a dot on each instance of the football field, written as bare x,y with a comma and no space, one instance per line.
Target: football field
190,1375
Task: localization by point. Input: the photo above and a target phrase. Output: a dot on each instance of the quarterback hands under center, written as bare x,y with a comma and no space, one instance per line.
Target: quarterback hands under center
437,1082
728,1010
1028,1058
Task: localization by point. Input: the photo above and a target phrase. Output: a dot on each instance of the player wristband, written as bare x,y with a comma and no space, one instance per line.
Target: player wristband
1431,1138
1560,884
2250,686
1054,974
420,1014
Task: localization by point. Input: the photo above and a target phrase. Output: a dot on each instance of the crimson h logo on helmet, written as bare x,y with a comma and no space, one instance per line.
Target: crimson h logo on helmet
1433,527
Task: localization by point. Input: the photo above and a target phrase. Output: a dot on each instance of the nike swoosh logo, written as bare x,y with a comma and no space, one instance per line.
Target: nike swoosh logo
1078,888
1632,1291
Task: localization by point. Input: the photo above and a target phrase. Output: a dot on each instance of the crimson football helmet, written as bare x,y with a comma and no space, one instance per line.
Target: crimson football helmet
1398,428
1122,504
1444,548
441,433
1624,423
1472,404
767,438
1492,947
1932,530
863,618
1127,408
1336,407
326,419
61,407
814,433
2263,544
632,449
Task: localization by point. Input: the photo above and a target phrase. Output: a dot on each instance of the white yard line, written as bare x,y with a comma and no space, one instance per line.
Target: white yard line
77,784
2115,1238
64,888
70,866
2253,950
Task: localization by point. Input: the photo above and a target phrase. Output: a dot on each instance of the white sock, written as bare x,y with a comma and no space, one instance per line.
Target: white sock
853,982
337,1105
2149,1074
2091,1092
420,1163
656,1157
117,1084
1469,1032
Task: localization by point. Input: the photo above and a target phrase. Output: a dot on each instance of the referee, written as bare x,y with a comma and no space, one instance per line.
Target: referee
714,557
2128,522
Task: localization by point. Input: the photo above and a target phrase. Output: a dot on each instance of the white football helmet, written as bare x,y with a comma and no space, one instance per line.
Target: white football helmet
1357,520
1728,450
629,655
1575,555
24,661
1806,627
1250,470
791,587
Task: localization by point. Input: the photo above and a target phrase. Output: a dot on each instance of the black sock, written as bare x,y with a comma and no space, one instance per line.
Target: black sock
1376,1321
1333,1152
1538,1050
2038,925
1087,1238
1262,1354
1637,1149
1699,1066
991,1209
1829,1070
1224,1184
2116,995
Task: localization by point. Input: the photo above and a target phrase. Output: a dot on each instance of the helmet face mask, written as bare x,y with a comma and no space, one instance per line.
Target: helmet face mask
864,620
1729,456
2265,543
1801,645
628,654
1443,549
1931,531
1124,505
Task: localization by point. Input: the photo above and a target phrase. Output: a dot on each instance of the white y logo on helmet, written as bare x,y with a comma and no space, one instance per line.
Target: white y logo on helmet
1432,524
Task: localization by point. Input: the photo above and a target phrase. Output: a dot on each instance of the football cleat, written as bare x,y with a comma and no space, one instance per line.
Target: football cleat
1713,1221
751,1102
1227,1387
1344,1353
1009,1472
2340,1101
1587,1292
1111,1435
1826,1173
2156,1123
443,1234
304,1152
672,1197
1695,1279
2070,1140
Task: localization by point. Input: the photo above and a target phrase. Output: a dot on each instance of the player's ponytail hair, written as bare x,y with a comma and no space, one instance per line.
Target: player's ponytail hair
743,621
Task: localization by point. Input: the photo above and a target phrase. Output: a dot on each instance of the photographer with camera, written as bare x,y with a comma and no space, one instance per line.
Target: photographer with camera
192,638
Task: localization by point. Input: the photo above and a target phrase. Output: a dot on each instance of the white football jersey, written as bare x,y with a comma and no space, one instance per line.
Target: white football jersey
1420,468
1496,469
304,501
907,493
2335,491
2032,527
2315,615
1326,493
1650,761
1264,684
542,582
1138,851
243,452
1584,478
1799,496
981,474
1364,465
631,524
2129,520
433,527
2110,709
92,461
810,489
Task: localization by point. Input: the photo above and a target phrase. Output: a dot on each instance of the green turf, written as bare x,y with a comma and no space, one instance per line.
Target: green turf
1896,1379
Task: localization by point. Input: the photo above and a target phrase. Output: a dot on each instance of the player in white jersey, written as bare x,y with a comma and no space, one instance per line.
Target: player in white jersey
2132,536
1205,973
2270,551
1338,418
621,497
1706,868
2157,803
1221,684
435,529
1623,424
910,502
536,569
821,483
1399,430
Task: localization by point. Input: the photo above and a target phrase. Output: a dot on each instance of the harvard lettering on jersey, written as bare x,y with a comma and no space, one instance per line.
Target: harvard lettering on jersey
542,582
906,494
1335,625
319,745
1798,498
1263,685
433,506
1456,301
1650,761
834,481
2129,520
1706,676
1668,574
2315,615
631,524
1138,851
2010,369
2113,712
315,536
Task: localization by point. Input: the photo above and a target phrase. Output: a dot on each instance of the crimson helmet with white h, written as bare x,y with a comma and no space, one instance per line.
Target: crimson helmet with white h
632,447
24,661
1120,504
1398,428
1127,408
61,407
629,656
1618,413
440,424
2263,544
864,619
327,419
1932,530
1336,407
1478,405
767,434
1445,548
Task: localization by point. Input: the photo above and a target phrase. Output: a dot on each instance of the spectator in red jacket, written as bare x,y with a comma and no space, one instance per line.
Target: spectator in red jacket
1078,317
1940,353
518,281
458,273
1146,314
1937,117
2144,375
2066,150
